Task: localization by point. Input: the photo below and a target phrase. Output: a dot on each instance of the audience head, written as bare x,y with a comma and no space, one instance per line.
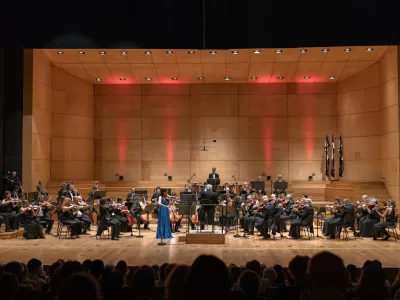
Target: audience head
173,285
87,265
9,286
255,266
15,268
34,266
352,270
234,273
79,287
122,267
280,275
372,282
97,268
297,268
161,272
144,281
168,270
270,274
249,283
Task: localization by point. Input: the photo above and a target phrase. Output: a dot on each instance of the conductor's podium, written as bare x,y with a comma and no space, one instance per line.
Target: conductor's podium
204,237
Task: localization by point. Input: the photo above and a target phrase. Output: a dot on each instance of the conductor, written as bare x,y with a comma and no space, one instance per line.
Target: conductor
206,213
213,174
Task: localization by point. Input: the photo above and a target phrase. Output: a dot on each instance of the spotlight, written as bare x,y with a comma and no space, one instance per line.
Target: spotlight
332,77
200,78
369,49
148,78
98,79
122,78
310,178
124,53
347,50
253,77
213,52
227,78
174,78
103,52
307,77
235,52
303,51
280,77
190,52
256,51
325,50
147,52
60,52
279,51
81,52
169,52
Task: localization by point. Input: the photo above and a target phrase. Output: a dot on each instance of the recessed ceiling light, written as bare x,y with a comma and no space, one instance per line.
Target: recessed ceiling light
227,78
213,52
280,77
279,51
169,52
332,77
200,78
103,52
174,78
303,51
370,49
307,77
98,79
148,78
253,77
235,52
124,52
347,50
256,51
122,78
60,52
190,52
81,52
325,50
147,52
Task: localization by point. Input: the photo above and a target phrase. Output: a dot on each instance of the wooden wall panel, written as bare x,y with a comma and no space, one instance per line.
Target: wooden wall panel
179,170
362,171
118,90
72,126
311,127
72,104
121,149
117,106
41,121
390,119
362,148
389,95
110,128
41,96
360,101
264,149
263,127
166,149
66,82
312,105
306,149
214,105
165,106
225,169
72,170
366,124
106,170
367,78
222,149
214,128
388,65
250,170
166,127
41,147
301,169
75,149
263,105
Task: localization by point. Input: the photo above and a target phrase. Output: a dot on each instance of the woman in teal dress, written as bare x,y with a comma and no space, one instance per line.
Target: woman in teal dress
163,225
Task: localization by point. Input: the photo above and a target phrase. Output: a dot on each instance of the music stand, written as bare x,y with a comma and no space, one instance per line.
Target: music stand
213,181
100,194
280,185
141,192
185,209
147,210
257,185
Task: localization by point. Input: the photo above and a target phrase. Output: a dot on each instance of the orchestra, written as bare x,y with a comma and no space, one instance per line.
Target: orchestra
226,205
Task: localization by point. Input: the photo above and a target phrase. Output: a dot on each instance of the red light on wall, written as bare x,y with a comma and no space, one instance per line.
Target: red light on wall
121,144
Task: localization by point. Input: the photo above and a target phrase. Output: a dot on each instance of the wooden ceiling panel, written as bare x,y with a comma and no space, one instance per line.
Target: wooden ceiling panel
379,51
361,54
77,70
265,55
119,71
353,67
143,71
213,73
339,54
285,69
114,56
242,56
165,73
307,69
313,54
92,56
213,56
139,56
189,73
237,72
68,57
188,56
288,55
330,69
163,56
99,71
262,71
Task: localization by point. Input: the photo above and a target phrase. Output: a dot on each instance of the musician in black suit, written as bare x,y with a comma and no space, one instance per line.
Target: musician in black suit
345,216
189,188
137,211
130,198
304,217
11,180
206,214
106,209
213,174
279,181
70,192
244,188
285,212
61,191
154,199
268,217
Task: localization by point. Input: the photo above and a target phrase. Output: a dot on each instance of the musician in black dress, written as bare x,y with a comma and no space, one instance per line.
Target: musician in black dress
43,214
389,219
106,209
367,224
304,217
137,212
9,209
269,211
28,217
206,214
118,214
68,218
154,199
335,219
80,215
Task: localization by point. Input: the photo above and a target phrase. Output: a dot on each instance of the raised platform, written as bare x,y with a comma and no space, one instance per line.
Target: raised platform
204,237
11,235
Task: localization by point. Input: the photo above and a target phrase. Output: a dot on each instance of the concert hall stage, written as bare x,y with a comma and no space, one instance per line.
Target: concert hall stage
239,251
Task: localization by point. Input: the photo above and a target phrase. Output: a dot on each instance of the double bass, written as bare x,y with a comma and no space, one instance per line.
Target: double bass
146,217
173,215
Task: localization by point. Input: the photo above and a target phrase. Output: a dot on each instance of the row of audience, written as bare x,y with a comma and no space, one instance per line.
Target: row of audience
323,276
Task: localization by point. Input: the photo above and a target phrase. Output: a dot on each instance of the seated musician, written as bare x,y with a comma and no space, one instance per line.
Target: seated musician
18,193
304,215
247,222
137,210
388,217
285,213
336,202
361,212
343,216
44,216
372,217
9,209
269,211
244,188
206,214
130,198
279,180
227,218
105,211
61,192
189,188
91,195
175,218
68,218
70,191
120,213
40,191
78,213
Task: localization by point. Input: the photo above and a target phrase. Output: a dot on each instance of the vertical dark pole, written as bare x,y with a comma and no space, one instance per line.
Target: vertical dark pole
2,94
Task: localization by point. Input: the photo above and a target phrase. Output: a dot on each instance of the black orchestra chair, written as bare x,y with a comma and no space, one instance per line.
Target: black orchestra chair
19,227
308,228
61,225
394,228
105,228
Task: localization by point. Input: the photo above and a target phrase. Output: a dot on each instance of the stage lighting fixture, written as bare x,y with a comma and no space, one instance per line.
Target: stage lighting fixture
332,77
268,177
235,52
310,178
148,78
60,52
303,51
200,78
227,78
98,79
81,52
121,178
213,52
280,77
174,78
169,178
279,51
122,78
103,52
370,49
169,52
307,77
147,52
347,50
191,52
325,50
124,53
253,78
256,51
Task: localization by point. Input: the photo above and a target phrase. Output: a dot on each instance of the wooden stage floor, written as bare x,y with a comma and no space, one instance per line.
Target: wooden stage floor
146,251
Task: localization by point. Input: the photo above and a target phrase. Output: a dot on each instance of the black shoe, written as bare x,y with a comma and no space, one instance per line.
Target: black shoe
49,233
386,238
374,238
115,239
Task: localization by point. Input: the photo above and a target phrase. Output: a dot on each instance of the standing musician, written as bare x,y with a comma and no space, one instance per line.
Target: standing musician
80,215
227,219
139,205
70,191
388,219
268,210
91,195
206,214
67,218
61,192
279,180
105,211
40,190
130,198
343,216
154,199
11,180
43,213
304,213
213,174
9,208
28,217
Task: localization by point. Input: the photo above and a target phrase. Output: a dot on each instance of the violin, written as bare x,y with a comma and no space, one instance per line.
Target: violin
298,206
